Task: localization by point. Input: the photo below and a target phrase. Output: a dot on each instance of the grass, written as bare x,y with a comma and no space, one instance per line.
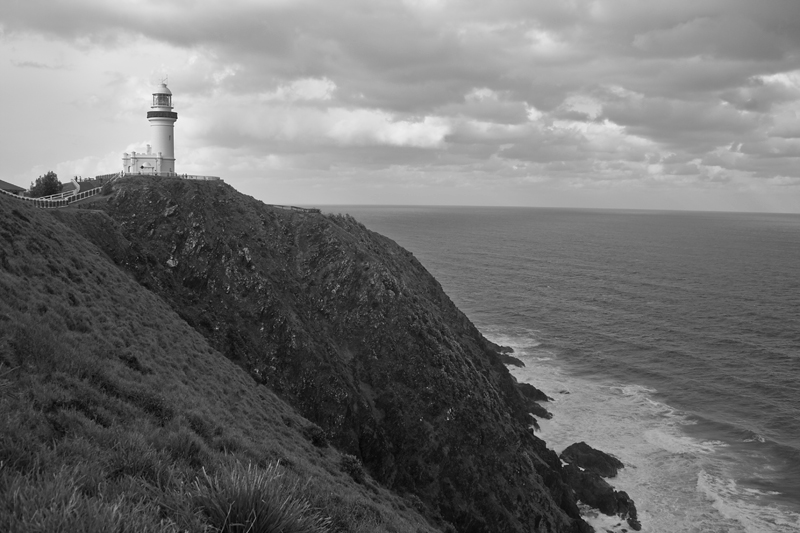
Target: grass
54,502
257,500
117,416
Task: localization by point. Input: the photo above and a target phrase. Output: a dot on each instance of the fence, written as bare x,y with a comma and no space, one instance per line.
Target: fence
65,198
168,175
201,178
56,200
295,208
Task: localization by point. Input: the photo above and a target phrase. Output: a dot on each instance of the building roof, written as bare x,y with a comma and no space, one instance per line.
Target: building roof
162,89
10,187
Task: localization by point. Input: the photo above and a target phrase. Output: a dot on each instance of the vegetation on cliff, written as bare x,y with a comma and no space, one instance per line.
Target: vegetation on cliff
224,338
45,185
115,415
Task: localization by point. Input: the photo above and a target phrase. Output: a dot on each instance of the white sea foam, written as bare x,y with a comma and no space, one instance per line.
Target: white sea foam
679,444
601,522
666,470
633,390
741,505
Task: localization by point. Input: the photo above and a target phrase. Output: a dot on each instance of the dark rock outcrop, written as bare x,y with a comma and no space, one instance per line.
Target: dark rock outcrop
507,359
582,455
585,472
595,492
537,410
352,330
504,352
533,394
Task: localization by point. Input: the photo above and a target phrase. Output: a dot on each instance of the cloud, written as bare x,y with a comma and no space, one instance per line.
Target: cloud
726,36
488,105
306,89
676,123
35,64
586,91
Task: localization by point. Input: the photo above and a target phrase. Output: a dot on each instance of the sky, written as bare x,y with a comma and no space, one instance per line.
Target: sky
687,104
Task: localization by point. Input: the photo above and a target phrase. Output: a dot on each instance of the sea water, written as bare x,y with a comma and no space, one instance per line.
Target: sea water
668,339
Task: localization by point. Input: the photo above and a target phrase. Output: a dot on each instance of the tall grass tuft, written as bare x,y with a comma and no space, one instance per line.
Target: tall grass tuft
257,500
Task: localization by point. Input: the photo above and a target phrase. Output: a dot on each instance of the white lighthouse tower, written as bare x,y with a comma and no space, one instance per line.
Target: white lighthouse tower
162,119
160,158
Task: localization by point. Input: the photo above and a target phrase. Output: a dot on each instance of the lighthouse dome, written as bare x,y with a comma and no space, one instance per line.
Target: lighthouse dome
162,89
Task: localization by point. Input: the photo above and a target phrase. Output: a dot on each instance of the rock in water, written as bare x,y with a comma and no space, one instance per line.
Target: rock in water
582,455
583,474
595,492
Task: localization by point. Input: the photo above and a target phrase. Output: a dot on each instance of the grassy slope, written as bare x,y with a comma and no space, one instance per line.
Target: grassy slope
115,415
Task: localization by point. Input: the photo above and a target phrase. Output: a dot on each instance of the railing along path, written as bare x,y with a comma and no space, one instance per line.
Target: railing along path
297,209
66,198
56,200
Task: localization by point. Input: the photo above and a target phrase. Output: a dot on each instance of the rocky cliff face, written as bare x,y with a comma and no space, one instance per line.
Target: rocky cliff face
352,330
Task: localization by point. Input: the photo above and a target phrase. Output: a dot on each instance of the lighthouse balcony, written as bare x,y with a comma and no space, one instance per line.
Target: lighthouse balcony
162,114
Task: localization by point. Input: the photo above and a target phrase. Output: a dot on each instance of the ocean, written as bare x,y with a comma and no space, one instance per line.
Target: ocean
668,339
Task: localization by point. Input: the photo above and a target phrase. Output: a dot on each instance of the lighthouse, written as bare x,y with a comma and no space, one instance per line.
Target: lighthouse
160,157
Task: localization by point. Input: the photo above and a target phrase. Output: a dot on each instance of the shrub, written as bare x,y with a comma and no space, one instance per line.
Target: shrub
20,447
315,435
132,362
78,320
176,503
133,456
144,397
82,455
107,188
183,445
200,425
46,185
352,466
32,343
228,444
256,500
352,513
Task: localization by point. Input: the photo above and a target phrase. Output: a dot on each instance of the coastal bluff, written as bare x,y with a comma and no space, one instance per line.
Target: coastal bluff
352,331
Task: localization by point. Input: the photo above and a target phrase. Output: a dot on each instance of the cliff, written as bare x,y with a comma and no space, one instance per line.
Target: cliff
170,348
349,328
116,415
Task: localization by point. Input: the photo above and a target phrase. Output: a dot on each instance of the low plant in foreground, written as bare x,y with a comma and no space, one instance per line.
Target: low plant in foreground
256,500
